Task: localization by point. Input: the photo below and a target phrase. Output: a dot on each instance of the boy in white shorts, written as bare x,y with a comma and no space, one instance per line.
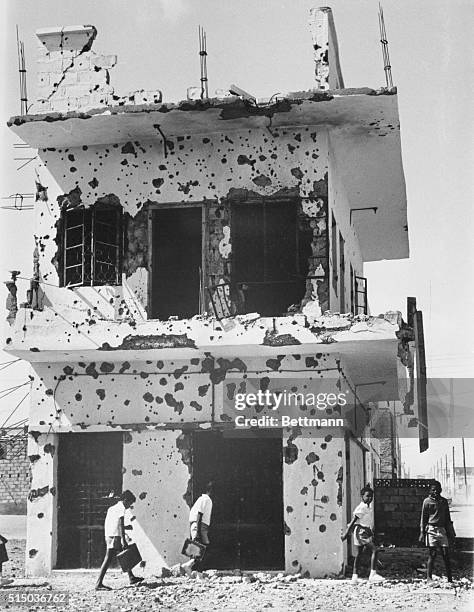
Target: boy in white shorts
362,525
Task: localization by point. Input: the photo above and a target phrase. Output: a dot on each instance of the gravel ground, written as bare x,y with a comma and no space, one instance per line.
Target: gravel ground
260,592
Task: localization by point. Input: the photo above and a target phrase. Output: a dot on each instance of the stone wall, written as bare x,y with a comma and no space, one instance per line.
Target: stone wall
15,473
398,509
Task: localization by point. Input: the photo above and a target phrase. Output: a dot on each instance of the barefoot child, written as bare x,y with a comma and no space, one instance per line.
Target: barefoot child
115,539
436,529
363,524
3,559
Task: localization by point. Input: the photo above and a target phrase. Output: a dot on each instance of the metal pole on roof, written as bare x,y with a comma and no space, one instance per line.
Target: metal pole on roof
385,53
203,62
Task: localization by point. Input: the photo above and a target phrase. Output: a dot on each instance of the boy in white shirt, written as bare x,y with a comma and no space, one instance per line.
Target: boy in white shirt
199,521
115,540
363,526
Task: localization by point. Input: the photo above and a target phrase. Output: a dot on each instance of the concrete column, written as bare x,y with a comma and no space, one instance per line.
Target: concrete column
327,71
41,543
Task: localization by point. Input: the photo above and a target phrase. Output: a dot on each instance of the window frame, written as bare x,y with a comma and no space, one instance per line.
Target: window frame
88,246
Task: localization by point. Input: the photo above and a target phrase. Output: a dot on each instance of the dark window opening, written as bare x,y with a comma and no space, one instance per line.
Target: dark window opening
342,274
176,262
92,246
361,305
89,469
334,253
269,256
247,528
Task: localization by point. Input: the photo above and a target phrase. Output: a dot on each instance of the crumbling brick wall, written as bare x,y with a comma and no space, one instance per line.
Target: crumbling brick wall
397,509
15,473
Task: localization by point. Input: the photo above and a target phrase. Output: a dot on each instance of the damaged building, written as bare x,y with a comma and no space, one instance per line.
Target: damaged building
187,252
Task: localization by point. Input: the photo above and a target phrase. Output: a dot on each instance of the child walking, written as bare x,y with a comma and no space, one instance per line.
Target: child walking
436,529
362,525
115,539
3,559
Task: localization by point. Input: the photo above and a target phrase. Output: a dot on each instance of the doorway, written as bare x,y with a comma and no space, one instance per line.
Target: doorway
176,262
89,468
247,529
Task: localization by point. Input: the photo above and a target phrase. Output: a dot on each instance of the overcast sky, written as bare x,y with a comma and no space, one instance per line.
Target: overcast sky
265,47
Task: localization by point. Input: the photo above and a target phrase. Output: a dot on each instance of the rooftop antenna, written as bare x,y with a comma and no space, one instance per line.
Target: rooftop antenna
22,71
203,61
385,54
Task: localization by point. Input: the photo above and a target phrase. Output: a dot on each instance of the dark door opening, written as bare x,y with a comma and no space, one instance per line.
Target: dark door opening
176,262
89,468
247,530
269,255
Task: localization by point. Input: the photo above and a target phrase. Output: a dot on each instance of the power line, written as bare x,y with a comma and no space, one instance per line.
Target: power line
15,409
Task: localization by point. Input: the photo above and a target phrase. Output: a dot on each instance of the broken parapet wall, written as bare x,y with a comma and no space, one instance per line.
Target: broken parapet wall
71,76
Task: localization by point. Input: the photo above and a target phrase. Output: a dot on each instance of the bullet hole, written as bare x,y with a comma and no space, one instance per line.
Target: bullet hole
68,370
148,397
180,371
106,367
322,528
304,491
328,438
178,387
264,383
78,397
262,181
32,553
324,499
195,405
172,403
33,458
333,517
49,449
289,509
49,392
100,393
137,472
286,529
297,173
94,183
91,371
128,148
274,364
203,389
163,382
40,515
143,495
294,563
158,182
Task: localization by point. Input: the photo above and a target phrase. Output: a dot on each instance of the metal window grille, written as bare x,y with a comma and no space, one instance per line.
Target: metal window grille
361,305
92,246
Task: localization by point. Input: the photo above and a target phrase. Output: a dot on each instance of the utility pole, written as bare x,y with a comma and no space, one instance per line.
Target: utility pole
454,477
446,475
464,466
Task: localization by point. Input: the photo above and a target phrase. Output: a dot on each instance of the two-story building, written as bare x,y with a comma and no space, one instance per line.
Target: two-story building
186,253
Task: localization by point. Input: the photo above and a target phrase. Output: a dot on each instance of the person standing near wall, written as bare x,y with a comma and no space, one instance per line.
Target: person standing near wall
436,529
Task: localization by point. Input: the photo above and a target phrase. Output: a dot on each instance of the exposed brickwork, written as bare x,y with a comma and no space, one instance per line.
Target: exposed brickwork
14,473
71,76
397,510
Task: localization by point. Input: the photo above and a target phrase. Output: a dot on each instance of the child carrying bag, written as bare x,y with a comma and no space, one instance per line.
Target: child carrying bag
129,557
193,549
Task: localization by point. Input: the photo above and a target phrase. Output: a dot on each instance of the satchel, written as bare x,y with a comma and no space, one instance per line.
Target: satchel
193,549
129,557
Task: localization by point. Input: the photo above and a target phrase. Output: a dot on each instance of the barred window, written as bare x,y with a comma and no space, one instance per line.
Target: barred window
92,246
